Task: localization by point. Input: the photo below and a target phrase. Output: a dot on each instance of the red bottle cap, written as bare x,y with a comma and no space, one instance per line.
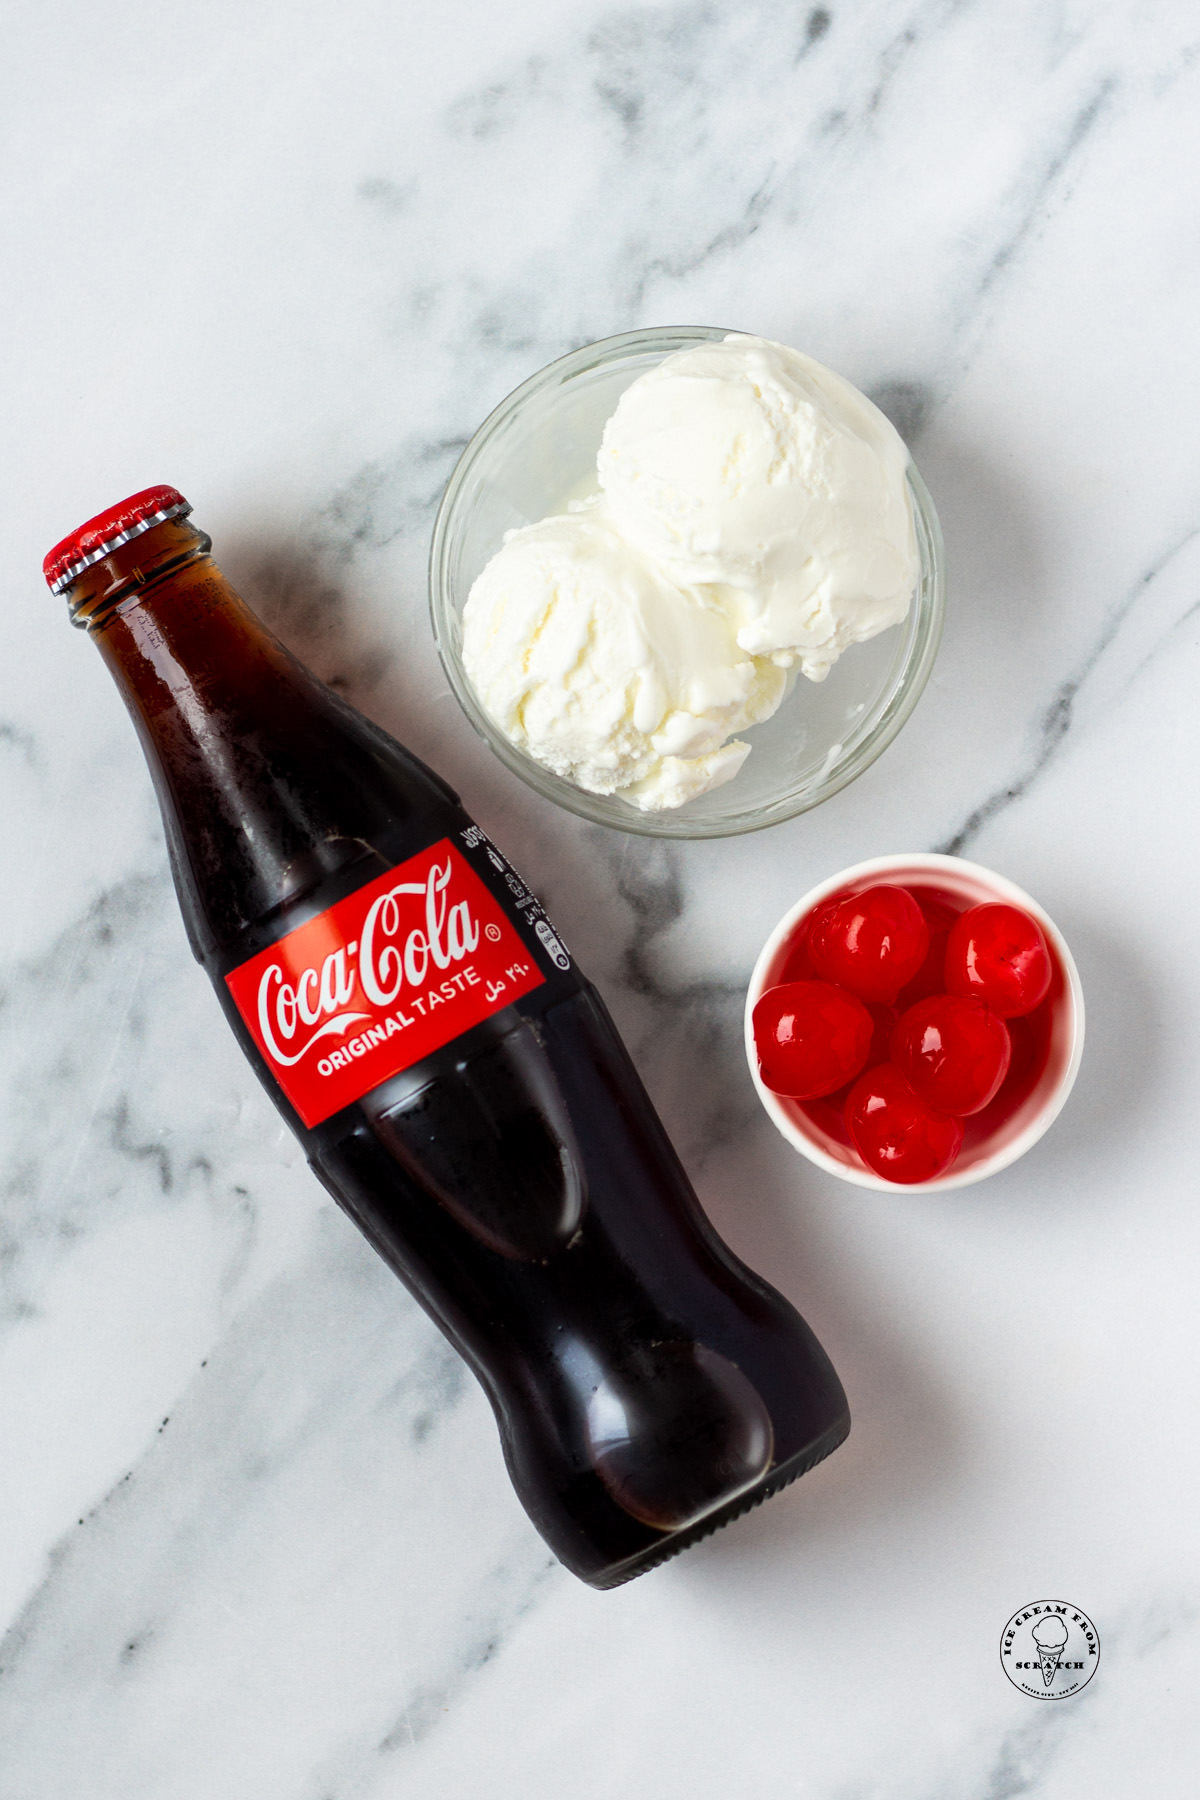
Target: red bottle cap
109,529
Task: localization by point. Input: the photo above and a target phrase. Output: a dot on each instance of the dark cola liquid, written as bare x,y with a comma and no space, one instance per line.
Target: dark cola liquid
646,1384
642,1377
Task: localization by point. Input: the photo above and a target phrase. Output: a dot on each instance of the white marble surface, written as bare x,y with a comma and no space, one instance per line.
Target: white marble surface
255,1534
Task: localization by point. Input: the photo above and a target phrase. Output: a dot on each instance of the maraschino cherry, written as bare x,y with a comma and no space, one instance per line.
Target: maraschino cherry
893,1130
999,955
872,943
955,1052
810,1037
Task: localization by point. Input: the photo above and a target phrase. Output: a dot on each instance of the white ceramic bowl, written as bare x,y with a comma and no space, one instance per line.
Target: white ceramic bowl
976,886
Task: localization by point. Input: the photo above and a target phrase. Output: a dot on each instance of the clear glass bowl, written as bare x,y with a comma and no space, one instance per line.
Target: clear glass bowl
534,454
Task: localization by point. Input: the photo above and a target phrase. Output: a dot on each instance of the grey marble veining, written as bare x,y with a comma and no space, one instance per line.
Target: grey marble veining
255,1531
1112,645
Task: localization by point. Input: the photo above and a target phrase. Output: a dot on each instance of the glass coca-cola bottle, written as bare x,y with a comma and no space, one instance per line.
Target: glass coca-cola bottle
457,1085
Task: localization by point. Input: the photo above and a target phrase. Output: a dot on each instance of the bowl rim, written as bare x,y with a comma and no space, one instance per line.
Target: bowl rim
919,863
927,614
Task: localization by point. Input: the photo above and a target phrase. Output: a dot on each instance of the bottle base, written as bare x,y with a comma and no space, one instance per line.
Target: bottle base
772,1482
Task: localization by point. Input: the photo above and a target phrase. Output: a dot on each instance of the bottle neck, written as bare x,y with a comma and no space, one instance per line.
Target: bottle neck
132,570
270,785
195,666
204,680
225,716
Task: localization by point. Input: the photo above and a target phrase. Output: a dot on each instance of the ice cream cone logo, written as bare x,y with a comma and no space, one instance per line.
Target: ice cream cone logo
1050,1636
1049,1649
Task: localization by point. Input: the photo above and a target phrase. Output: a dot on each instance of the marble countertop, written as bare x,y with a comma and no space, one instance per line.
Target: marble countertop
256,1537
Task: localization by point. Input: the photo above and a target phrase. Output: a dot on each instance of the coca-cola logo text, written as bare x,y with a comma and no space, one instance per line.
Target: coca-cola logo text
400,966
390,953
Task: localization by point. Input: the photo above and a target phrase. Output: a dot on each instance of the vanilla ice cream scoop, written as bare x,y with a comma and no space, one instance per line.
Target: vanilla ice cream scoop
604,670
757,473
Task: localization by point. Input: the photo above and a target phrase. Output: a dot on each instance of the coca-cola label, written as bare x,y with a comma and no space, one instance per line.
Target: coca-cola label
380,980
